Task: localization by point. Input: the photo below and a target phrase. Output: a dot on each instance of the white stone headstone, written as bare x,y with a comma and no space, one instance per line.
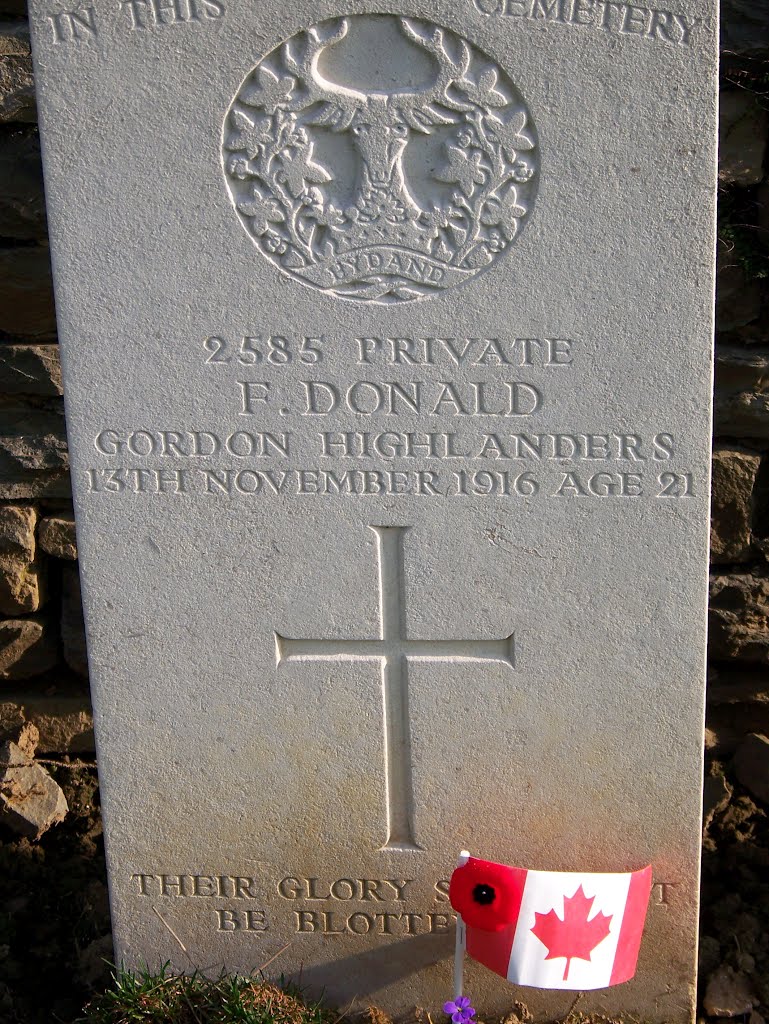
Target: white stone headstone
386,335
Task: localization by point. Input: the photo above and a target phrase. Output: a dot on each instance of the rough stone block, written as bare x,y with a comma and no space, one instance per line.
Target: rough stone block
739,618
742,393
57,537
30,370
21,485
93,964
729,994
17,86
20,571
742,369
27,739
716,796
31,802
729,724
34,459
731,508
27,648
738,300
762,219
22,202
744,28
13,8
38,442
26,293
72,626
64,720
751,765
743,127
739,684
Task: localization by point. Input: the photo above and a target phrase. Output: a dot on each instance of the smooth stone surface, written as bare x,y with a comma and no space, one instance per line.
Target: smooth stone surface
386,348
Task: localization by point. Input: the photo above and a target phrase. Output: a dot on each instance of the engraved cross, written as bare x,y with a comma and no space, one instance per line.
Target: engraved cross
393,650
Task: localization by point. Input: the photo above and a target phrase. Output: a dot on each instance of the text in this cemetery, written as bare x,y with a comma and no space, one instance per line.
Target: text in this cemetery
81,25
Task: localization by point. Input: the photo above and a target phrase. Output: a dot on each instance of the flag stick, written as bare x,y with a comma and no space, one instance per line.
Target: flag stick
459,945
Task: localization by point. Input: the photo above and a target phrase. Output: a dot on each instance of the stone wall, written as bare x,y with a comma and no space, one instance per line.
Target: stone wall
42,654
738,684
43,669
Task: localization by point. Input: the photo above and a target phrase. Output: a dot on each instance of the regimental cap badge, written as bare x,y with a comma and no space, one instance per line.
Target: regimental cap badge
380,194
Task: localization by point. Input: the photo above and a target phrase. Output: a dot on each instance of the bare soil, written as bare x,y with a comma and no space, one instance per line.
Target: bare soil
54,912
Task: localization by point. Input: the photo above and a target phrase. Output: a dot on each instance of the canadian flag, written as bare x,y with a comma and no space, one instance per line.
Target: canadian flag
552,929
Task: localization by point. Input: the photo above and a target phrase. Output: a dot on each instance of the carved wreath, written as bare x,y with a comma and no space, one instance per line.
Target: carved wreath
384,242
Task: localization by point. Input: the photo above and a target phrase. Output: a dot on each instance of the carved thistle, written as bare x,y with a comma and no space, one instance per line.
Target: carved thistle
372,194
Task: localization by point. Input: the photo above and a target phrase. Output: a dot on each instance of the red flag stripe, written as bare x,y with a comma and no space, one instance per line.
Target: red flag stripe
632,927
493,948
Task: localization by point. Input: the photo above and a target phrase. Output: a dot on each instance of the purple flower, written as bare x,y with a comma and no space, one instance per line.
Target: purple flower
460,1010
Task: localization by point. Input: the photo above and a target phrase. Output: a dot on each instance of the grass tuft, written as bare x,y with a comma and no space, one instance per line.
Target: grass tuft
165,998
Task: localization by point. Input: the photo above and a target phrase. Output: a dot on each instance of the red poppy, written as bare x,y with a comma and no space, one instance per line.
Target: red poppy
485,894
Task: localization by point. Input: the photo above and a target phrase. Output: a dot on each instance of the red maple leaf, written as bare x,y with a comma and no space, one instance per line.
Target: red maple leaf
575,936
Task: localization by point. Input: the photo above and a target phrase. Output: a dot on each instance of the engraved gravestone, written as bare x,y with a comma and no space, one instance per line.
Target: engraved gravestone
386,342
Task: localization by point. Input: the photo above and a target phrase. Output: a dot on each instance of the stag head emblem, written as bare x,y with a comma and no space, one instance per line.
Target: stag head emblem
380,237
